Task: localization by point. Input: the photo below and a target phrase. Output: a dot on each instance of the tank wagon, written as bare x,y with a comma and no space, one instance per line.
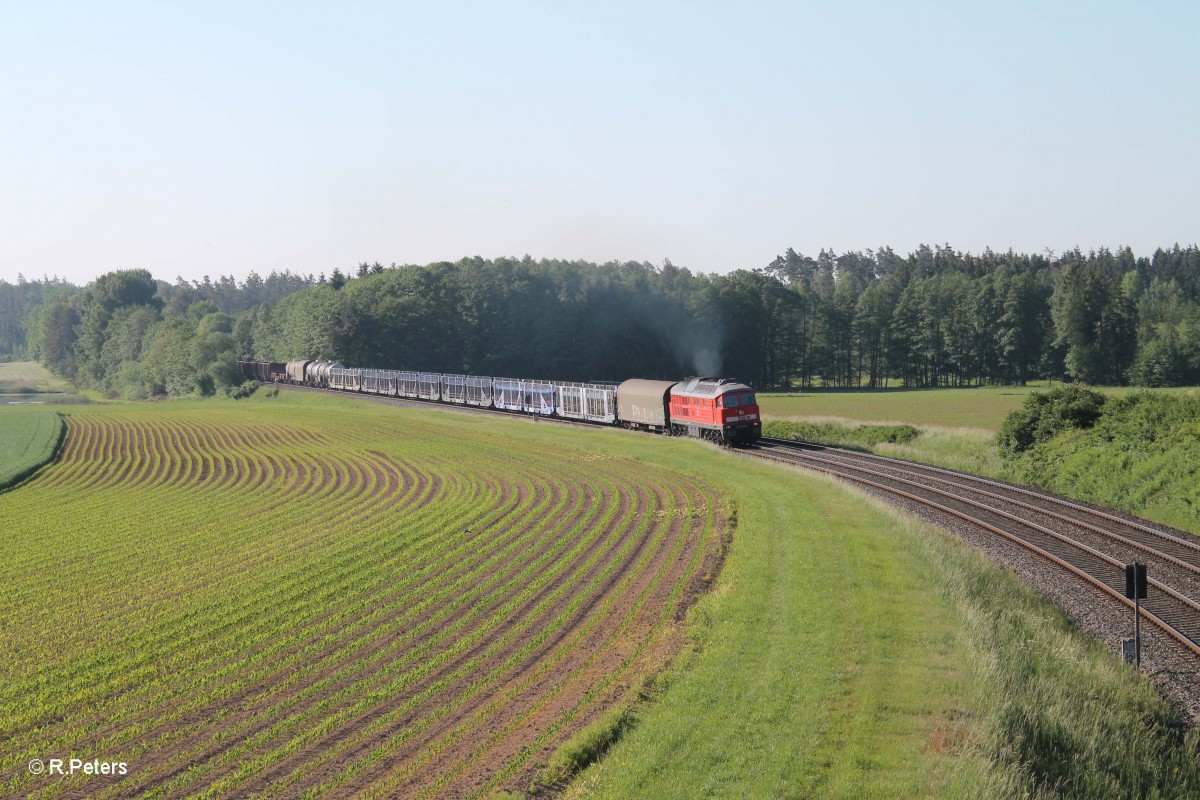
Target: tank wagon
317,373
717,409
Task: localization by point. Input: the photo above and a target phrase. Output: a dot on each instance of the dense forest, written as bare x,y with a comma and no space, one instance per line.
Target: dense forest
936,317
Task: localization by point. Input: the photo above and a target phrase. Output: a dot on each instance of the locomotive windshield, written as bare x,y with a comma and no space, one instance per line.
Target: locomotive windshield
729,401
747,399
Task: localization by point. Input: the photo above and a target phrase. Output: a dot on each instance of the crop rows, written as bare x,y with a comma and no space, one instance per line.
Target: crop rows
310,605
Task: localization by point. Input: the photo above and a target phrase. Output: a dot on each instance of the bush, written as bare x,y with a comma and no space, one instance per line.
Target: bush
244,390
1045,414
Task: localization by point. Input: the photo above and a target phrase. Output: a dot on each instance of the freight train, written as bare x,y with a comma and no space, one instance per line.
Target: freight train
717,409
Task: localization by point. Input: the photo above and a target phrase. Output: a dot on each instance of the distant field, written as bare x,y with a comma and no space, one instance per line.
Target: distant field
16,376
976,407
27,439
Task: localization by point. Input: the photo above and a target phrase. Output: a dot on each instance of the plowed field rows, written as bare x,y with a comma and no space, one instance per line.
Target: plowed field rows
319,603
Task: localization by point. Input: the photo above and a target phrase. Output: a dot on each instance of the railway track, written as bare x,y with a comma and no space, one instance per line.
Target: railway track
1090,544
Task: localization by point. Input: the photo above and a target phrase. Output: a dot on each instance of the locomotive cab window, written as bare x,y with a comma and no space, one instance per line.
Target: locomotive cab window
747,399
729,401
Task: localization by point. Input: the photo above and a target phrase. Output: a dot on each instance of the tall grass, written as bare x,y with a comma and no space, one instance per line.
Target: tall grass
840,434
1061,716
21,376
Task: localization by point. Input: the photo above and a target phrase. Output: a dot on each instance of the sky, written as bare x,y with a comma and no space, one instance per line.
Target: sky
217,138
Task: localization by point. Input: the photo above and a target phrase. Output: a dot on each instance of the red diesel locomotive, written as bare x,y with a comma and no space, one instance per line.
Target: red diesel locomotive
715,408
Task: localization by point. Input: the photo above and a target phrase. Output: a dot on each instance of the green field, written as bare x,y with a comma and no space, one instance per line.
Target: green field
983,407
28,437
29,376
328,598
307,596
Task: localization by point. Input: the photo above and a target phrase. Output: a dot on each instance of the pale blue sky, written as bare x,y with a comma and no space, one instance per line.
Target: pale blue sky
219,138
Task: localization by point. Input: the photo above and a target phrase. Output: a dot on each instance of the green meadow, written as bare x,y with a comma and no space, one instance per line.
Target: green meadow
849,651
982,407
29,376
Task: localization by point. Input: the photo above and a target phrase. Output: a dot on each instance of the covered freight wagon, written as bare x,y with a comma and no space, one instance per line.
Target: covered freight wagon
262,371
644,404
295,369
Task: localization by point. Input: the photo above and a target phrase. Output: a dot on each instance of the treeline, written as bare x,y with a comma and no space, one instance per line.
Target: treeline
936,317
22,304
128,335
939,317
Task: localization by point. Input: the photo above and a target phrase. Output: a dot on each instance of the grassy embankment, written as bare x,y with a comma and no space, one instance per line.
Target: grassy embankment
28,439
21,378
1138,452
